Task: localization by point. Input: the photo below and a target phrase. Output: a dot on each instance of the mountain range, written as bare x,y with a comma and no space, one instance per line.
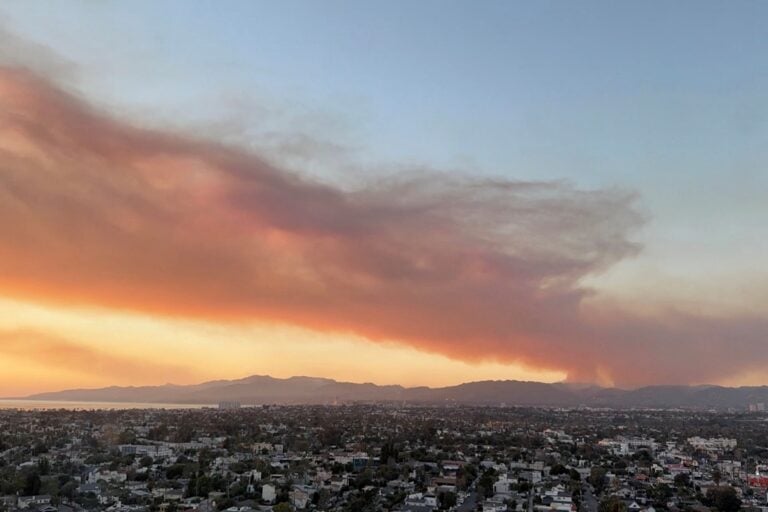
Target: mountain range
262,389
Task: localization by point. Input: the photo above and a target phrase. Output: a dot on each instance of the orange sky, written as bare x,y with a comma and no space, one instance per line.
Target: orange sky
134,256
96,347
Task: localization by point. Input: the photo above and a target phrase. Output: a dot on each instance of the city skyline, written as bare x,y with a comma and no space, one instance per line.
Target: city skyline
420,194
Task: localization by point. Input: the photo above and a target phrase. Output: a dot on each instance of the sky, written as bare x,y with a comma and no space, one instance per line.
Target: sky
422,193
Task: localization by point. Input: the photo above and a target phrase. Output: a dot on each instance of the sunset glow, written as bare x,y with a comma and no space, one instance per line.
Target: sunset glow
150,238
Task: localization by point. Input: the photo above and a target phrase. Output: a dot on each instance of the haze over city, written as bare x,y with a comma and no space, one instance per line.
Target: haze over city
415,193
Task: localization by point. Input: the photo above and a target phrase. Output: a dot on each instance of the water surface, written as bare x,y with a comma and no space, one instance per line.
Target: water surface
87,406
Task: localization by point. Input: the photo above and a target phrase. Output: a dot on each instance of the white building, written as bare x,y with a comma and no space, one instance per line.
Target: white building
715,444
268,493
33,501
299,497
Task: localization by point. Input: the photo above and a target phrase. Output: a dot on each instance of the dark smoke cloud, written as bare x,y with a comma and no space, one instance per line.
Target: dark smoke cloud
96,211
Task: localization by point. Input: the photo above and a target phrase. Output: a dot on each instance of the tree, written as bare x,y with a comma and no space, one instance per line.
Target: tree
174,472
485,484
612,504
723,498
126,437
558,469
597,478
661,494
50,486
39,448
643,458
68,490
225,503
199,485
388,451
446,500
465,475
682,480
44,466
31,484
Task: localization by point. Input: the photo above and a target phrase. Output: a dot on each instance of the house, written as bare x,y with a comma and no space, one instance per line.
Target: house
494,505
108,476
268,493
502,485
33,501
299,497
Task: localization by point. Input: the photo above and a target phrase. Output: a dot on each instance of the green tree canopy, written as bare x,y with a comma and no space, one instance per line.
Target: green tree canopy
723,498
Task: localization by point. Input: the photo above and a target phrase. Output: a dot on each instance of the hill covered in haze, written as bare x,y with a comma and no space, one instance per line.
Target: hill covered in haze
259,389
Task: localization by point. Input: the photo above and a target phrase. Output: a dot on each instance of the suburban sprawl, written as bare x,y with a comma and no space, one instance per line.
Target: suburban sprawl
388,457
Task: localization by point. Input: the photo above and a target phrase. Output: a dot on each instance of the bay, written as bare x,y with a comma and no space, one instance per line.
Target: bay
88,406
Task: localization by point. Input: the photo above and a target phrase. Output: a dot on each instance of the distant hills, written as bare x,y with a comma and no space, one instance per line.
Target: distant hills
261,389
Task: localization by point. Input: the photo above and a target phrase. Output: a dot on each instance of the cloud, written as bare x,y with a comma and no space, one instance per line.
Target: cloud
97,211
19,52
38,348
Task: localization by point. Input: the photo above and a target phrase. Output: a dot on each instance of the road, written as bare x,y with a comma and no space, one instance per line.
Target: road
589,502
469,504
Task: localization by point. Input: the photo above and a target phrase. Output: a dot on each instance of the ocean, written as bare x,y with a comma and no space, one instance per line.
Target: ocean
88,406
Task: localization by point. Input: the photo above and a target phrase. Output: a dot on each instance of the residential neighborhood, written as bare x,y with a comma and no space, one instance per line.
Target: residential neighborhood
389,457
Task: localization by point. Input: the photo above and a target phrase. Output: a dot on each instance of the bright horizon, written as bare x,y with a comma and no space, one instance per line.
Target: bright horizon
414,194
